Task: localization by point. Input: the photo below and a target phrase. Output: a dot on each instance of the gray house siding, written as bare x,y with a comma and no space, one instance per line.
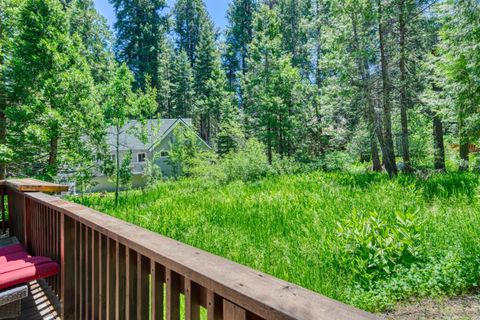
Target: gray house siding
155,146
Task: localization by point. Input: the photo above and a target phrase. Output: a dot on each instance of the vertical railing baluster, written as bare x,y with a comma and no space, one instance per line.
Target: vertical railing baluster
58,244
47,224
48,235
120,280
35,215
102,276
33,229
27,217
192,303
41,232
2,203
77,270
110,293
82,272
95,279
131,284
172,280
67,257
88,273
158,279
52,240
214,306
43,217
143,292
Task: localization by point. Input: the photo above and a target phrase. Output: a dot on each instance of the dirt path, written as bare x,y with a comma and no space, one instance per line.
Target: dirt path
457,308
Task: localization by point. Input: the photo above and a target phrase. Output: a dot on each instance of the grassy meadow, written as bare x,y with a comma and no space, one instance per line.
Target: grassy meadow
360,238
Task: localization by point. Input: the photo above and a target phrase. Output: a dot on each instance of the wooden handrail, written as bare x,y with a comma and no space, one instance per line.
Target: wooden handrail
113,267
33,185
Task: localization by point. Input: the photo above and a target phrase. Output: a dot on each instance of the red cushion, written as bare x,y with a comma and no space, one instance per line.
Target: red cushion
11,249
17,267
14,256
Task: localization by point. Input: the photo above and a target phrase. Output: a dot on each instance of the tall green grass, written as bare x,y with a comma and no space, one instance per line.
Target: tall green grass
287,226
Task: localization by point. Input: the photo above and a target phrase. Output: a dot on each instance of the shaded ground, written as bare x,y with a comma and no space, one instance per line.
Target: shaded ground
457,308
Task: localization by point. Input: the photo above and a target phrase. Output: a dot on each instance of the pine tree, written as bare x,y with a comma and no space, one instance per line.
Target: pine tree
8,28
212,99
413,46
183,95
460,64
296,17
165,79
238,36
140,26
272,88
189,16
387,147
53,94
96,37
362,51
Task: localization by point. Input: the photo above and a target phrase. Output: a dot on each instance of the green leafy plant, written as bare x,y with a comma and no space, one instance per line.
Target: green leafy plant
371,247
250,163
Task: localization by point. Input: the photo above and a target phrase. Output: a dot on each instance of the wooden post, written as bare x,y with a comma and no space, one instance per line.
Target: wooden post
67,272
214,306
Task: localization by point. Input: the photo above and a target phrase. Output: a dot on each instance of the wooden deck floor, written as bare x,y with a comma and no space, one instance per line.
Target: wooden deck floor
41,302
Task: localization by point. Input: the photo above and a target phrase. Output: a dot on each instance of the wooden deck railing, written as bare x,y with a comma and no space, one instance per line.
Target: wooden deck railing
111,269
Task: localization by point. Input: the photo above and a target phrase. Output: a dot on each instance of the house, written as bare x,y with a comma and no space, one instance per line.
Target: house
158,134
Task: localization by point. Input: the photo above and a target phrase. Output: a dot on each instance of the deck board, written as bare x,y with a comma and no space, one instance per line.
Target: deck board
41,302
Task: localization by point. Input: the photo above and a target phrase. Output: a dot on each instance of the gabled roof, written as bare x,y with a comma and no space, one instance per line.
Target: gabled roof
155,131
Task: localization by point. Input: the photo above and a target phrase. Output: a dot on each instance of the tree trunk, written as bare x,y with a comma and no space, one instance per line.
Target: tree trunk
464,149
388,149
269,144
3,134
464,142
403,89
317,132
439,146
52,154
117,160
464,152
248,13
376,163
3,107
362,63
204,128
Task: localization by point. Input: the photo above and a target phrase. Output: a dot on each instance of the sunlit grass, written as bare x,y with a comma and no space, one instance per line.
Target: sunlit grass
285,226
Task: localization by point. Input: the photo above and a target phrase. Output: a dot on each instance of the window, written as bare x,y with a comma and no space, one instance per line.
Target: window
141,157
164,154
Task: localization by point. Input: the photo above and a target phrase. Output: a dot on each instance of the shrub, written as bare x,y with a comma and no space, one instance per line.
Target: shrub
285,165
205,165
370,247
335,161
444,273
249,163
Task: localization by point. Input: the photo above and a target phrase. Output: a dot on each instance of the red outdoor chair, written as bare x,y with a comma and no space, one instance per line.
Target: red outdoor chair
17,269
